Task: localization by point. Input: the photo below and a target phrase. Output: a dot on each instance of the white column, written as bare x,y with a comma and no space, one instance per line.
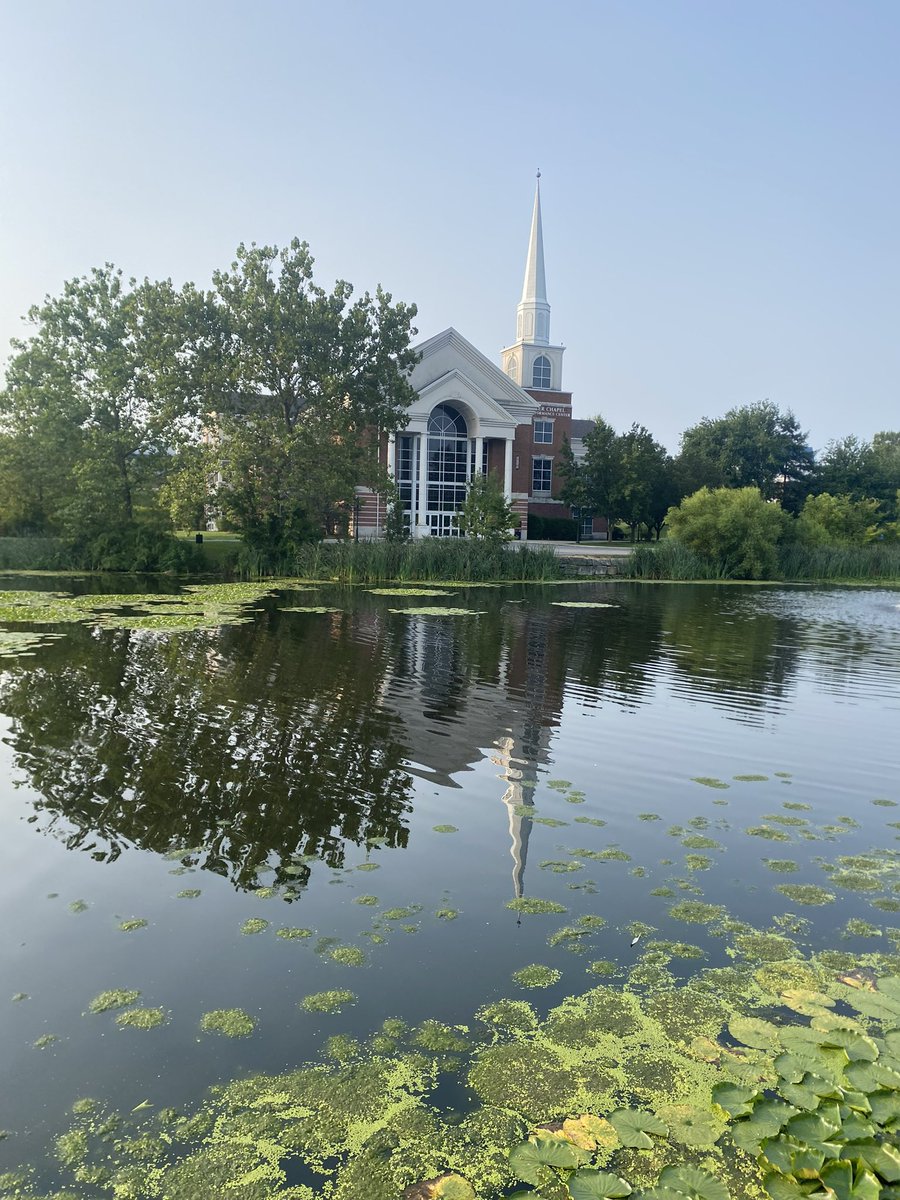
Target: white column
507,473
479,453
392,454
421,492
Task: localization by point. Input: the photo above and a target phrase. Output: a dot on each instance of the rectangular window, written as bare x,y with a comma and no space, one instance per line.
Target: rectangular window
543,433
541,475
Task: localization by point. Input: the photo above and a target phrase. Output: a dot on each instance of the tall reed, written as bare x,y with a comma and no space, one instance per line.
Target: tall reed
429,560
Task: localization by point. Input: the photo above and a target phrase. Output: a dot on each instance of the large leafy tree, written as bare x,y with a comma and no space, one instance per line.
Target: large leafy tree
595,482
734,528
309,379
644,468
754,446
96,400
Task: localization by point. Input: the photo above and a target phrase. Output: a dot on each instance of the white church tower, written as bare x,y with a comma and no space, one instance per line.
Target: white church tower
531,361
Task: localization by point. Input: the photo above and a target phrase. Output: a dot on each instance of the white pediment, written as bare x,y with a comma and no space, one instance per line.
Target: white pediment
448,359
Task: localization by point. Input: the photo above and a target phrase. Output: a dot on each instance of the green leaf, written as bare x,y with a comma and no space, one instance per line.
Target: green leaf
807,1093
873,1004
780,1188
885,1106
661,1193
857,1046
855,1128
736,1100
761,1035
789,1156
527,1159
892,1041
597,1185
694,1182
858,1101
633,1124
882,1158
812,1127
839,1177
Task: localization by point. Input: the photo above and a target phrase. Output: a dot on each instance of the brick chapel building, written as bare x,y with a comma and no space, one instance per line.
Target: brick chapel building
471,417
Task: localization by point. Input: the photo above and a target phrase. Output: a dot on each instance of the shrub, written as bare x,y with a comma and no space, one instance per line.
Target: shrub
828,520
551,529
734,529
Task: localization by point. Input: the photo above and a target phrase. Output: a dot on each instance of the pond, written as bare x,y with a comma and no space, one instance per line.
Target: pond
347,806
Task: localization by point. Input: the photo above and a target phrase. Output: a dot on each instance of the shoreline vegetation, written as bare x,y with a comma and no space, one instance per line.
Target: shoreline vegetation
460,560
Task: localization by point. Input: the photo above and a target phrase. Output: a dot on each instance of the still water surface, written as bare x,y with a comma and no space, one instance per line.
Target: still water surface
319,770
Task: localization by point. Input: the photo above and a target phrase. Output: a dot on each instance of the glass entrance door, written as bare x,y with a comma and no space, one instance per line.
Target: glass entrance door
448,470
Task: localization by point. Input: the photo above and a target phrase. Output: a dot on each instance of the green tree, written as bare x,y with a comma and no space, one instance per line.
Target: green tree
845,468
642,467
486,515
310,380
754,446
734,528
828,520
595,482
97,398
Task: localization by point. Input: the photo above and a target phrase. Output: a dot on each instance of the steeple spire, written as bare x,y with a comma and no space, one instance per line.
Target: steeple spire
531,361
533,313
535,285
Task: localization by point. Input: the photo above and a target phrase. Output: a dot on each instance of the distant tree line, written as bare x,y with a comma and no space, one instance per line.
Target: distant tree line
850,493
134,409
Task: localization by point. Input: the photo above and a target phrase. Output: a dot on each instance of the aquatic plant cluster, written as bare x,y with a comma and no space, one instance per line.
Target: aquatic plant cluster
745,1081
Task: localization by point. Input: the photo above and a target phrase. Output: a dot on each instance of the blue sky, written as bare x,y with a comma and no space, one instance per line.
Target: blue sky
721,181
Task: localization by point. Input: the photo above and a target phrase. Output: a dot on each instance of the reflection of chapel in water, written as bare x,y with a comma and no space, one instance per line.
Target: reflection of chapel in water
454,717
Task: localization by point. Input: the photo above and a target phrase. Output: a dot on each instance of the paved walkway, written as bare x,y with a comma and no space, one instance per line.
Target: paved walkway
584,549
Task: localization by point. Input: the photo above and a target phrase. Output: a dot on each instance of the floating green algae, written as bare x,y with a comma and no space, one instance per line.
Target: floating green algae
230,1022
348,956
855,881
188,894
649,816
310,608
18,997
45,1040
291,933
367,901
797,806
784,866
401,914
552,822
254,925
559,785
581,604
882,802
764,947
751,778
408,591
133,923
805,893
532,905
113,998
536,976
368,866
764,831
15,643
856,927
709,781
447,914
560,867
596,821
696,912
142,1018
331,1001
445,829
437,611
78,906
698,862
699,841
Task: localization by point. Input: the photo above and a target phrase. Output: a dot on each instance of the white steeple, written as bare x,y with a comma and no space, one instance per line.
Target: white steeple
533,313
531,361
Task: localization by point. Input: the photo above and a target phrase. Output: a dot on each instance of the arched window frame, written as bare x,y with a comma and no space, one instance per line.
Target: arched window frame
541,374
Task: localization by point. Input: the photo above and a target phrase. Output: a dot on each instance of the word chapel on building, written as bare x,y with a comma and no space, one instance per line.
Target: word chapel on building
471,417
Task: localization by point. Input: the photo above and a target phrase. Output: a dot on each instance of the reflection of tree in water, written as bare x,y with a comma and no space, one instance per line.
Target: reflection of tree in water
614,651
247,742
740,660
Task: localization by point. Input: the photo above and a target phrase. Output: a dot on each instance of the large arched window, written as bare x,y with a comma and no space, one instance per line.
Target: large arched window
447,422
448,468
540,372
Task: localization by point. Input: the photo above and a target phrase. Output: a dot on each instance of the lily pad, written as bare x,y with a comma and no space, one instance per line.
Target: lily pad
694,1182
588,1184
633,1126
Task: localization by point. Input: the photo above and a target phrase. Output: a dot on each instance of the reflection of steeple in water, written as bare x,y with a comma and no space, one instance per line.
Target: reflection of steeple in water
519,795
